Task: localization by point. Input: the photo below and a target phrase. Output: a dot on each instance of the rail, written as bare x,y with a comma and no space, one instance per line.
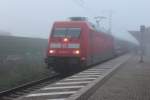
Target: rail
26,86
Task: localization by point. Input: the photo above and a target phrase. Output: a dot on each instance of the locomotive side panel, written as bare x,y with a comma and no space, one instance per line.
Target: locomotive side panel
101,46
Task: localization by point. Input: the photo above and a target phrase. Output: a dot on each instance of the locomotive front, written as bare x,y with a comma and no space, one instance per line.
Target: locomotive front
64,49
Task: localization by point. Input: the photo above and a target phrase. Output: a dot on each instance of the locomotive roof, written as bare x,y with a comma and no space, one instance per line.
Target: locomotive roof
89,24
75,22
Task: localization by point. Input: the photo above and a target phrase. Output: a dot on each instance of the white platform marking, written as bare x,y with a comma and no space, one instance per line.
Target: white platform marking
92,71
80,78
86,75
52,93
103,68
89,73
98,69
57,99
64,87
73,82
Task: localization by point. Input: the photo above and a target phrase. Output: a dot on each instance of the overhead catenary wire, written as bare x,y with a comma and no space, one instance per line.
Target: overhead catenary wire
81,4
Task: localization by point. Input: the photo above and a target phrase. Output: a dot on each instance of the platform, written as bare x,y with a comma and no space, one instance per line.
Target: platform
130,82
80,85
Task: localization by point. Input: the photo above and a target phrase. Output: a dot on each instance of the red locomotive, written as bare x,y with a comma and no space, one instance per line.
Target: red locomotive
75,44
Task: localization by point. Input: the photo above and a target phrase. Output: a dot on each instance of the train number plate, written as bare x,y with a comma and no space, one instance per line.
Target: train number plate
63,52
64,45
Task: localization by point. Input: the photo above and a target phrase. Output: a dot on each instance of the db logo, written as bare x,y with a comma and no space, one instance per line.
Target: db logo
64,45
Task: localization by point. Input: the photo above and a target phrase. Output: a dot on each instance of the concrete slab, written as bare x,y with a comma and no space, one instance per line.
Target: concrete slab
85,92
131,82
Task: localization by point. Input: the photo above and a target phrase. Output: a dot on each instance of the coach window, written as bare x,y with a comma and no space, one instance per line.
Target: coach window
74,32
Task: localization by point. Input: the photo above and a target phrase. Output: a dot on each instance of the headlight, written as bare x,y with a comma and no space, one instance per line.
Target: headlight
76,52
51,51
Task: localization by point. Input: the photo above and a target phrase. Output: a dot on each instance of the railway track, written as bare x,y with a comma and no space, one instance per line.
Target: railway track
14,93
24,89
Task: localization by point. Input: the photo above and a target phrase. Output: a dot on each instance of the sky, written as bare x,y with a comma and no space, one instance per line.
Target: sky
34,18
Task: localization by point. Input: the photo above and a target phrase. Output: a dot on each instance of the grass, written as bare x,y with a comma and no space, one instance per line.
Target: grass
21,60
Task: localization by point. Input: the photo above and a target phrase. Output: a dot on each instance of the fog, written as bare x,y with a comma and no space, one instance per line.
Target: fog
34,18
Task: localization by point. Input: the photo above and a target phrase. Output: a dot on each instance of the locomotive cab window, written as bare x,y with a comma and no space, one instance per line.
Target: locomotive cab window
59,32
73,32
67,32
